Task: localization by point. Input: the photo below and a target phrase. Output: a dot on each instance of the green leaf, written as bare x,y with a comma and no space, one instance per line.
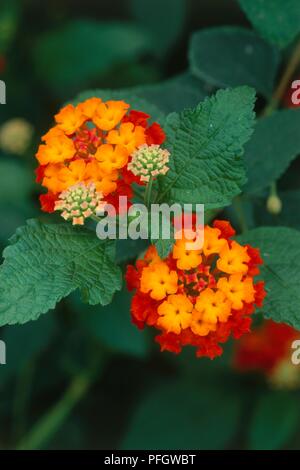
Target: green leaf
232,56
275,420
276,21
181,415
274,144
46,263
163,241
83,50
111,325
154,15
206,145
135,102
280,250
163,246
178,93
128,250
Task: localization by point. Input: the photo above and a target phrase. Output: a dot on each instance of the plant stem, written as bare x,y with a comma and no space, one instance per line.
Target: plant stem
95,218
287,76
273,189
21,398
47,426
148,192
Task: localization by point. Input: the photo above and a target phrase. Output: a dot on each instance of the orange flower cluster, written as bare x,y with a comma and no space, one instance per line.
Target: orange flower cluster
197,297
92,143
268,350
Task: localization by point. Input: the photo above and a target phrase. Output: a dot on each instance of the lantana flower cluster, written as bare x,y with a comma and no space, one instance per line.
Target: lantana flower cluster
197,297
93,143
268,351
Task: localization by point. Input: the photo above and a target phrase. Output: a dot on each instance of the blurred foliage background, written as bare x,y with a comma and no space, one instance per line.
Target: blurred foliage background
84,377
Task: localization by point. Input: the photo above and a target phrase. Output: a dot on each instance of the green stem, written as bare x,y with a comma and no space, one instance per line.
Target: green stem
21,398
273,189
238,207
95,218
47,426
148,192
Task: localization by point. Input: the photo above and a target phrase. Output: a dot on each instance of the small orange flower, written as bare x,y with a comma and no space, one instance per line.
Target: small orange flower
233,259
53,132
69,119
214,306
109,114
213,243
89,107
57,150
72,174
175,313
186,259
51,180
237,289
129,136
158,280
105,183
189,299
111,158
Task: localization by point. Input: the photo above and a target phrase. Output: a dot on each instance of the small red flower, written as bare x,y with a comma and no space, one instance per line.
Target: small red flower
155,134
48,202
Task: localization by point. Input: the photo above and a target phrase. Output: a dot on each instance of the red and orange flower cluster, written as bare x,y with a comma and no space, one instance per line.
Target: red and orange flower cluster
268,350
92,143
197,297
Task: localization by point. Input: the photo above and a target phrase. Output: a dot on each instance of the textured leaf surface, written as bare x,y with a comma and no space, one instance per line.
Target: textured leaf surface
206,145
280,250
232,56
182,416
276,20
46,263
274,144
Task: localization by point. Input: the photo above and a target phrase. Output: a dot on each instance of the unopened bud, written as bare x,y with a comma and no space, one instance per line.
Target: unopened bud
149,161
79,202
285,376
274,204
